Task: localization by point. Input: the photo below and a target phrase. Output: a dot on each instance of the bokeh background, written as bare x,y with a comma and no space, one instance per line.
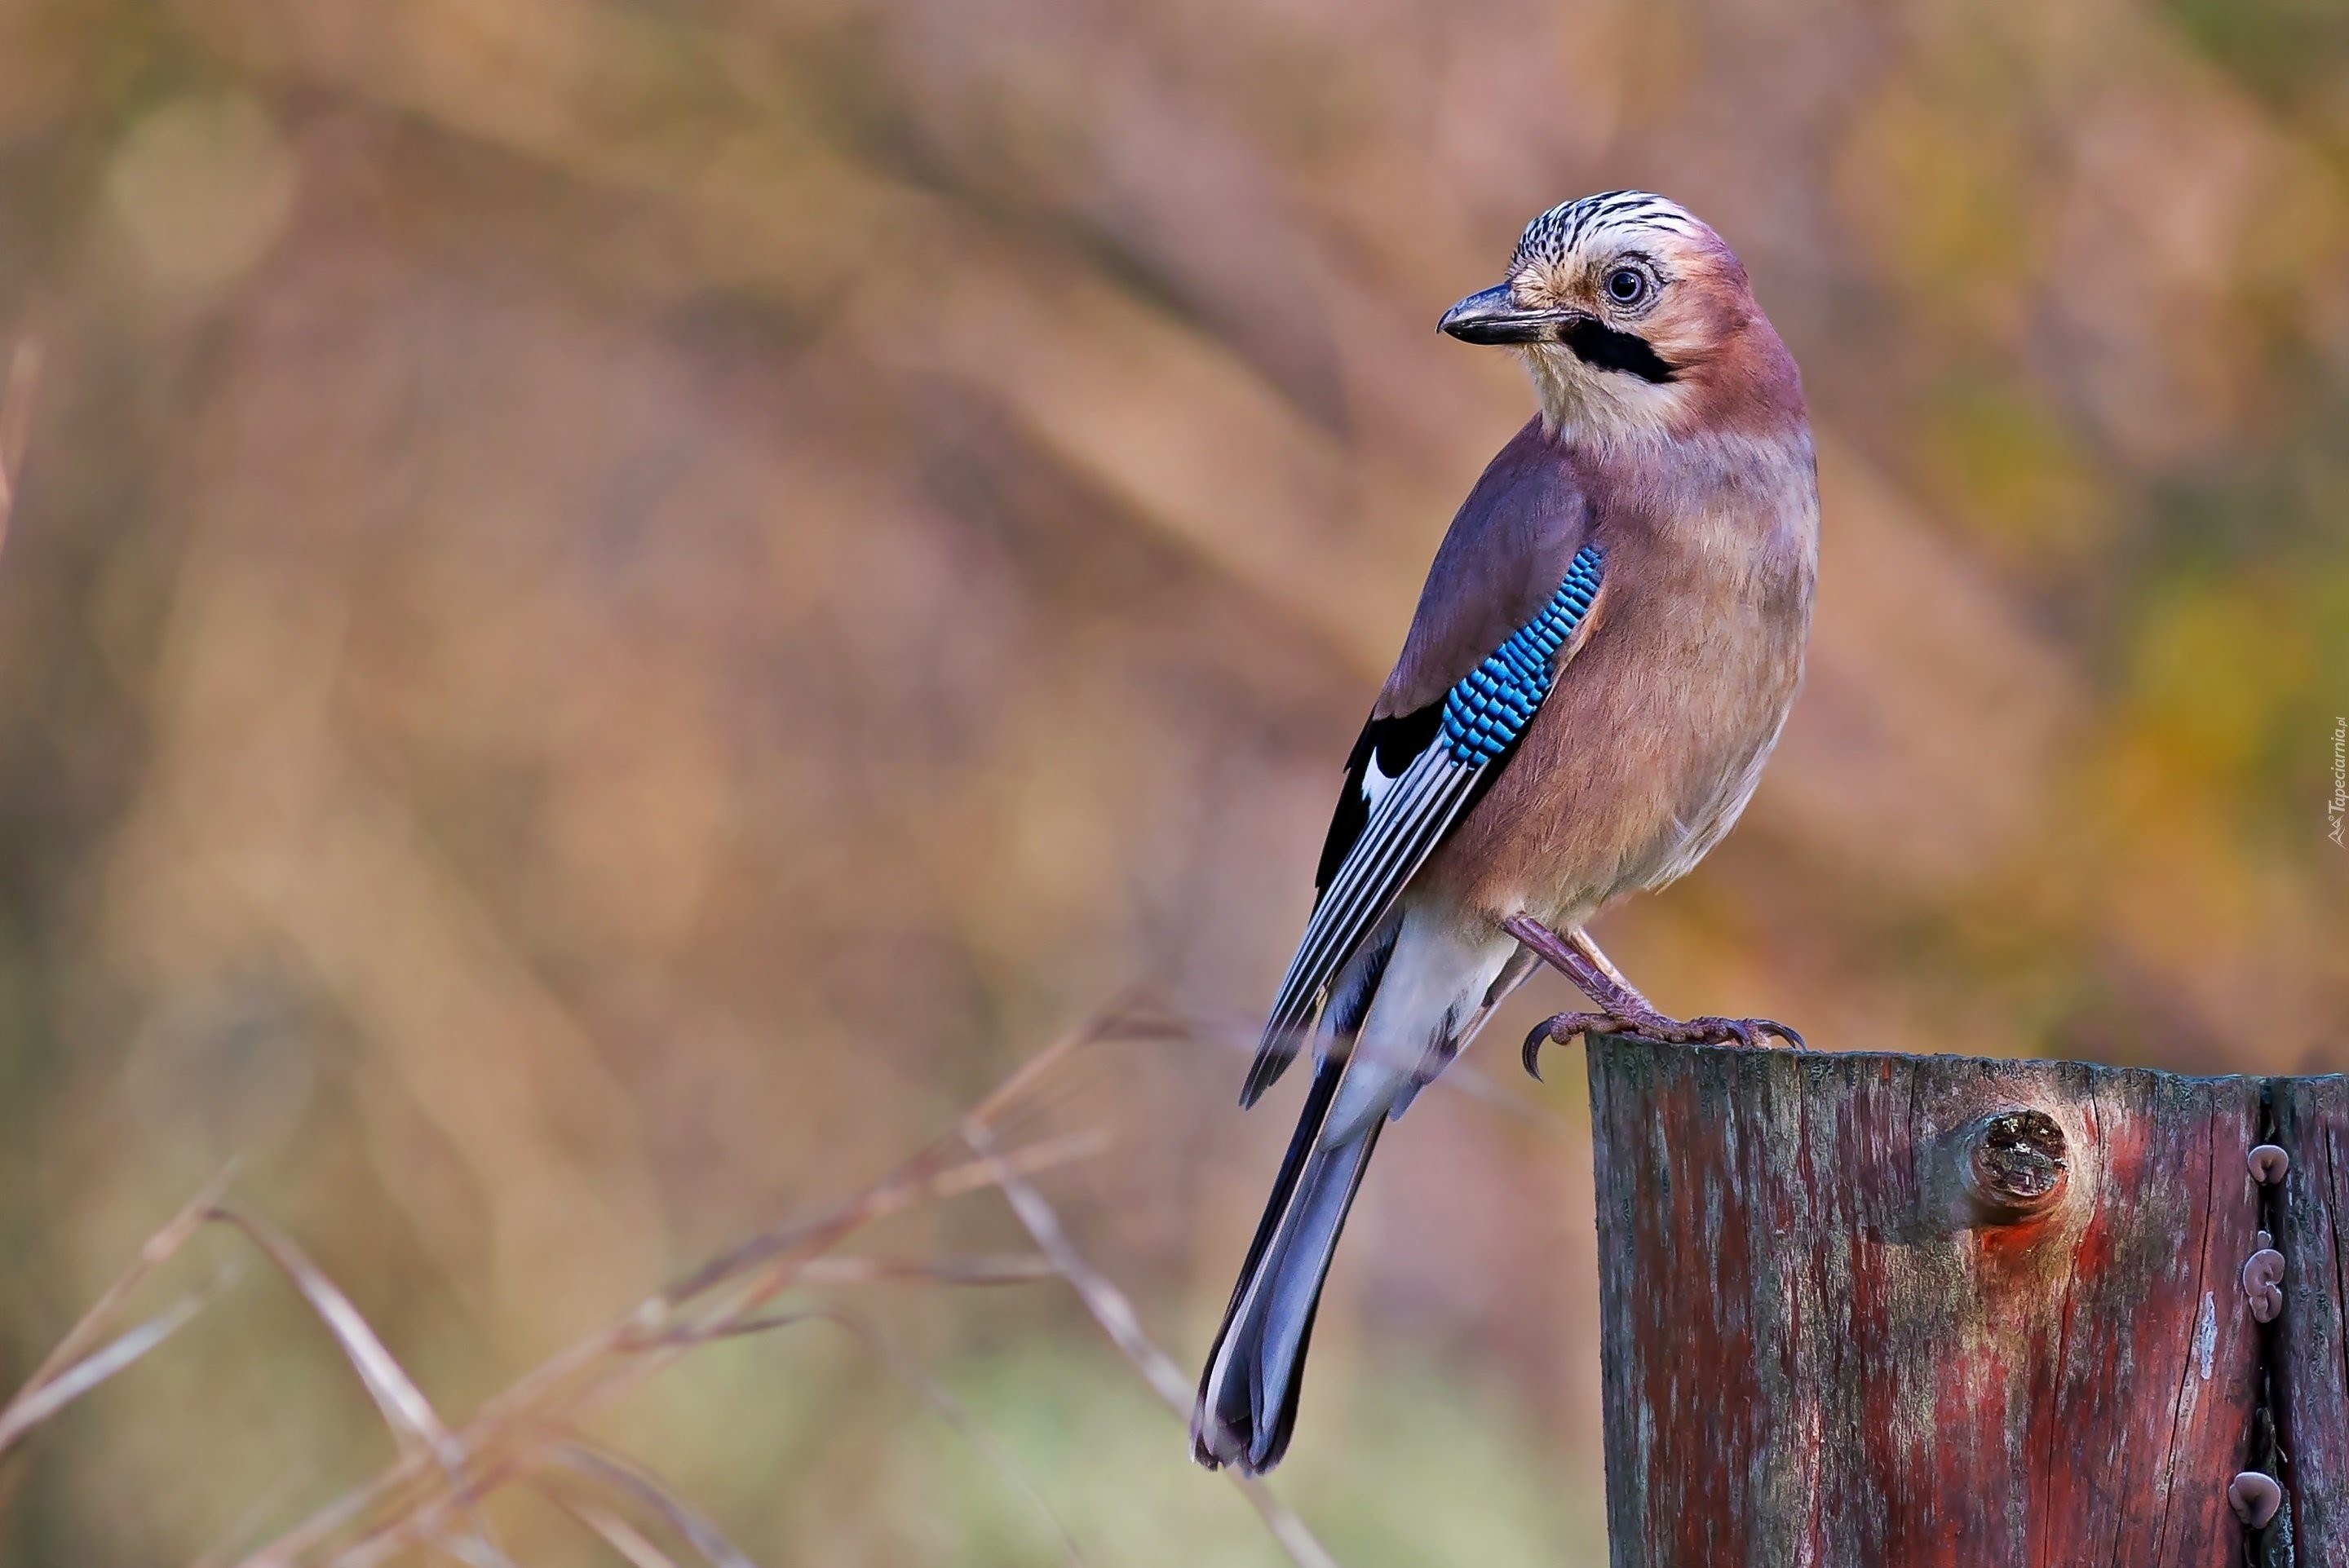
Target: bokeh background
619,604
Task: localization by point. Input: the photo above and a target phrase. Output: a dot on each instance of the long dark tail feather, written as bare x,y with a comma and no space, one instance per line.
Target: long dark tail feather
1247,1395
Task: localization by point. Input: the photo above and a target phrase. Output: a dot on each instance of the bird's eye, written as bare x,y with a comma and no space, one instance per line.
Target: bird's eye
1627,286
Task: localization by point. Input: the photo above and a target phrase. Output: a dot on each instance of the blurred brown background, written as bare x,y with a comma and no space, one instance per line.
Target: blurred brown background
618,605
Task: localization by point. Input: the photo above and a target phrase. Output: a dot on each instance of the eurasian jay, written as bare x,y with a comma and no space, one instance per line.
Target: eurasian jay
1606,647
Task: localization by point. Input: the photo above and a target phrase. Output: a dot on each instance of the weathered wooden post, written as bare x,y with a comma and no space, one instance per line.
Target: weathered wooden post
1878,1311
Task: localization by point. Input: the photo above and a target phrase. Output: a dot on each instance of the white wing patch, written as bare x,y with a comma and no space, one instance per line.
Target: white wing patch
1376,783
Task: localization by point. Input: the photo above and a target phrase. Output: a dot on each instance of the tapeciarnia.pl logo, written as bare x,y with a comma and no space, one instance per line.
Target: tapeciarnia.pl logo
2336,810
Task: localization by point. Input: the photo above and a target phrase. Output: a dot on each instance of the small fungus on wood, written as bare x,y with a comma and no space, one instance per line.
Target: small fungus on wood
2264,1283
2254,1497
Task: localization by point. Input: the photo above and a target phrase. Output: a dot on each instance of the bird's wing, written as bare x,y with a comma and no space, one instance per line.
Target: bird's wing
1410,777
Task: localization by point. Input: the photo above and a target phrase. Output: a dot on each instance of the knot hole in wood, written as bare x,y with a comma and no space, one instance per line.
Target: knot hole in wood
2014,1165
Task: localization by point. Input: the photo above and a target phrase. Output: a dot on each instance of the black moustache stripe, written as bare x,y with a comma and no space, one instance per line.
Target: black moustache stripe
1595,342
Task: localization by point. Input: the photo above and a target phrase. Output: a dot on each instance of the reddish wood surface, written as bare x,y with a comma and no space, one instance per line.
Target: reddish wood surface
2311,1126
1826,1343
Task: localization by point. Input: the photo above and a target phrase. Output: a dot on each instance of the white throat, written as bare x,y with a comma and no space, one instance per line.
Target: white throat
1582,399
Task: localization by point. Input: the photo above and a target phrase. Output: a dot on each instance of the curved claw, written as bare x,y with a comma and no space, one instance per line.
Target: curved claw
1542,1034
1565,1027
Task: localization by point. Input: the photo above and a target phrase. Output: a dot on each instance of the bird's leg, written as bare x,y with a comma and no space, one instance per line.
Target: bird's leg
1623,1011
1576,957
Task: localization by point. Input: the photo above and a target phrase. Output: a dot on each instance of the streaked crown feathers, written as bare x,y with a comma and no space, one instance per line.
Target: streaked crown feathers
1561,232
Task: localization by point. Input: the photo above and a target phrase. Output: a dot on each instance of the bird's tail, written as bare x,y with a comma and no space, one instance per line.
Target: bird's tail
1247,1396
1408,1001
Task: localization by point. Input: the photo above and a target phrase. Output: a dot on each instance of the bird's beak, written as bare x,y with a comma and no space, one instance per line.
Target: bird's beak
1491,316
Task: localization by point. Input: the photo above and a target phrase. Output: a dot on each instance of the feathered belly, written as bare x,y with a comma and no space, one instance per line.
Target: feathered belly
1704,824
1635,770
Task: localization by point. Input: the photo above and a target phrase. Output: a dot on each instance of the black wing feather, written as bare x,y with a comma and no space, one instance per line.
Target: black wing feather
1394,742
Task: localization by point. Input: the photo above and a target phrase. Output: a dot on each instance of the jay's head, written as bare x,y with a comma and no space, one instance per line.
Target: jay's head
1633,316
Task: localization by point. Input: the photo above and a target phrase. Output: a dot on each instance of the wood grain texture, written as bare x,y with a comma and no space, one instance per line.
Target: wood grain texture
1822,1346
2311,1126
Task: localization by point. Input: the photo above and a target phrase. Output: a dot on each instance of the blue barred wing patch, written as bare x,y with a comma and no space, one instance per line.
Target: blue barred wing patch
1483,717
1487,710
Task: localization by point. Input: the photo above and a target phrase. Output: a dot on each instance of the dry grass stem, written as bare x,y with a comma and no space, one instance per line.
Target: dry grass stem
156,1251
38,1403
39,1400
610,1471
410,1415
1118,1319
1006,1268
430,1496
616,1533
509,1438
909,1370
1104,1300
415,1425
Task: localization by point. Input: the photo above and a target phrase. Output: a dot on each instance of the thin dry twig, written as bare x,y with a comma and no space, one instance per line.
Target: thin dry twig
609,1469
616,1532
289,1482
153,1253
924,1177
430,1494
38,1403
67,1372
415,1425
406,1410
507,1438
999,1268
1117,1318
910,1371
1108,1304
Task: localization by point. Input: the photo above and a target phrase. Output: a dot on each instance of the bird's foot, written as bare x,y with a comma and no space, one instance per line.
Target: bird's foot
1656,1027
